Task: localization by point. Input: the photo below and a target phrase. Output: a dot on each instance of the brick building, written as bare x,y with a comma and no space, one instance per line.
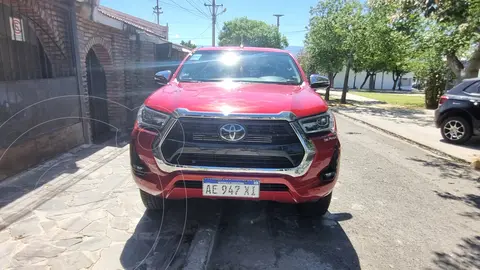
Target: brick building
72,72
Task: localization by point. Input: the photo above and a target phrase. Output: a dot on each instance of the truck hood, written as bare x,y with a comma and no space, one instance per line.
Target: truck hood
233,97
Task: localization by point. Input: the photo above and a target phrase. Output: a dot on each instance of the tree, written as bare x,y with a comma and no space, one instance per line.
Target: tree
242,31
445,32
457,26
305,62
398,55
330,40
188,44
371,47
429,64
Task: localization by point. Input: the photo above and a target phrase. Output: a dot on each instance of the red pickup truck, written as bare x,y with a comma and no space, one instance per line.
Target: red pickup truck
236,123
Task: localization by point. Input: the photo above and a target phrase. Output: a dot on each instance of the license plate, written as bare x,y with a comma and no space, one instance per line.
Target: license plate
231,188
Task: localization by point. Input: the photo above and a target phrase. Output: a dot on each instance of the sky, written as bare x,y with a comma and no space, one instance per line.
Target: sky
187,22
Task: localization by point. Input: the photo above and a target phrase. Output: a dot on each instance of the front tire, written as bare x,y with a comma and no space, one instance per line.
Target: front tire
151,202
317,208
456,130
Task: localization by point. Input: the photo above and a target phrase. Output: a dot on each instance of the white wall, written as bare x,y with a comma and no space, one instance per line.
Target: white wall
387,84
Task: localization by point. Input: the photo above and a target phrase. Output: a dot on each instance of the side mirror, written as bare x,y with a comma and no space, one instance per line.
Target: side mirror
317,81
162,77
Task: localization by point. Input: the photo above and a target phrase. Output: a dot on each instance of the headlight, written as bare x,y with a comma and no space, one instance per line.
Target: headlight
318,123
151,119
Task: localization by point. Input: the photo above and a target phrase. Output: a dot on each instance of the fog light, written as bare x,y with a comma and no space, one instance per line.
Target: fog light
138,167
328,176
329,173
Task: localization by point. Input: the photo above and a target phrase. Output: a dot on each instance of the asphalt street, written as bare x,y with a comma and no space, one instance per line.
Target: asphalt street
395,206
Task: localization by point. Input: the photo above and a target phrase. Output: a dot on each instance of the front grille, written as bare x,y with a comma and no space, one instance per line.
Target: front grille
267,144
258,131
198,185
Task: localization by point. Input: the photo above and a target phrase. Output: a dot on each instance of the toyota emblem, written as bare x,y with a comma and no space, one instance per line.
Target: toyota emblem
232,132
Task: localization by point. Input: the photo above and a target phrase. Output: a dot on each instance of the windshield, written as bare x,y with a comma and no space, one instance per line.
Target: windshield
240,66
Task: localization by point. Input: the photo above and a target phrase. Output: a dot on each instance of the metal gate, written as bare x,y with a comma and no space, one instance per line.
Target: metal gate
38,83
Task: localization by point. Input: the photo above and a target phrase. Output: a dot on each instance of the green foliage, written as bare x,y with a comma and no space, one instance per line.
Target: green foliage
430,67
188,44
443,32
370,48
426,37
398,55
331,38
305,63
372,51
456,23
251,33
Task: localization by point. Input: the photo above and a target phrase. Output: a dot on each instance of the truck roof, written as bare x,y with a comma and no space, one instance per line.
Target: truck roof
238,48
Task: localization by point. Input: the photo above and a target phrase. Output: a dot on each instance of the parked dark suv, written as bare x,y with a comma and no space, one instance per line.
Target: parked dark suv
458,114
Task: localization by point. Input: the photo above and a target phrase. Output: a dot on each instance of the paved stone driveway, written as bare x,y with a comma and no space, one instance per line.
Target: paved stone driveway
83,211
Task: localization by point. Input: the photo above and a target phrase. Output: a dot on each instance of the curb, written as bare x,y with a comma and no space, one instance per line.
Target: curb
203,243
423,146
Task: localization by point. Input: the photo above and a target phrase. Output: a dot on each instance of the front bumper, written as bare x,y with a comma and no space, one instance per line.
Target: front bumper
311,180
311,186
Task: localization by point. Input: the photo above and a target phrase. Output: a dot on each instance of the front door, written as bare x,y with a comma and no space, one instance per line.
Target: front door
97,91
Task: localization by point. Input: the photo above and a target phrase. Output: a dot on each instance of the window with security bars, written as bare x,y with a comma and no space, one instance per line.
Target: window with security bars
32,46
21,52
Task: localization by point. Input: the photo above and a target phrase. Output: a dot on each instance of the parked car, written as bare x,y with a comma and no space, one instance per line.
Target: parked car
458,113
236,123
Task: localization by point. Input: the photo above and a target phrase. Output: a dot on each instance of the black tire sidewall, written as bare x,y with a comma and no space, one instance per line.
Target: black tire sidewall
466,136
317,208
151,202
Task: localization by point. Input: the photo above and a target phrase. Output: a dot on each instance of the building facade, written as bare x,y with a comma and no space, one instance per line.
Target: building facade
382,80
72,72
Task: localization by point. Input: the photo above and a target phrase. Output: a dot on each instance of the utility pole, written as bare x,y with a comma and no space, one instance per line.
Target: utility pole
278,19
214,17
157,10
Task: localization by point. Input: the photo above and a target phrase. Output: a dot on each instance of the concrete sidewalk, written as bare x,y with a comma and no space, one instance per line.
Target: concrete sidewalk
82,210
414,125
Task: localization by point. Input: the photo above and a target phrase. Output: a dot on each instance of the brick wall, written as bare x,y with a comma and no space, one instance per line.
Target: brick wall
139,75
111,47
129,68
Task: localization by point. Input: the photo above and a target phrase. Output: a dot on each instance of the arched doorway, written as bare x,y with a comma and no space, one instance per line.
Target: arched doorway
98,104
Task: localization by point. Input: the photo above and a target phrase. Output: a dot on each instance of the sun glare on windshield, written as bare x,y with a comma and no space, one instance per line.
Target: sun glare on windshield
229,58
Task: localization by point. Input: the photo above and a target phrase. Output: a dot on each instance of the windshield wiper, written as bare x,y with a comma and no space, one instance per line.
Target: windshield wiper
290,82
189,80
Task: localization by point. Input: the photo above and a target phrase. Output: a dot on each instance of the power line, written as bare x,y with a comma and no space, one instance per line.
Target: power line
193,12
197,37
208,27
297,31
196,7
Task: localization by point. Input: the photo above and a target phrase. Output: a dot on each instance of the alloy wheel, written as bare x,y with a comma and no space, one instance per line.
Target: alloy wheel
454,130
